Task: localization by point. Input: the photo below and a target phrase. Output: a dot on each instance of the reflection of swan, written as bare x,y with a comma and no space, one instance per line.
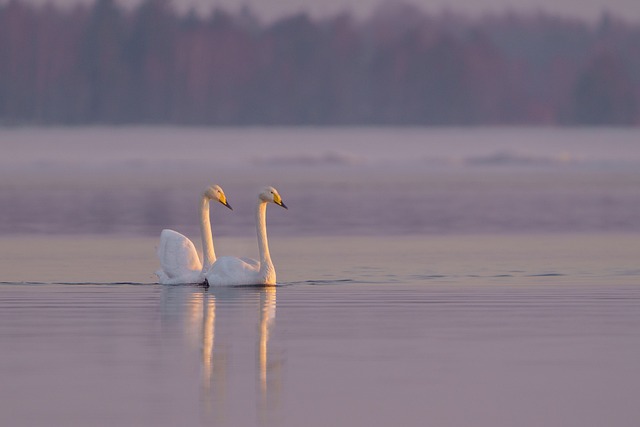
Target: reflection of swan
267,318
200,328
236,271
208,335
179,262
231,332
213,363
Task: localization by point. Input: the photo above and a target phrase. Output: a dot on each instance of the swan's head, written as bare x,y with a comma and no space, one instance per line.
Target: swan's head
215,193
271,195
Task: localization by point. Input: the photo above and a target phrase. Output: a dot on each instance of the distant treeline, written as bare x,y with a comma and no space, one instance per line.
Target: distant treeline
105,64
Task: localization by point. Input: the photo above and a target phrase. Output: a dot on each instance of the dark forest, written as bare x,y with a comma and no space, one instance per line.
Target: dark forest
106,65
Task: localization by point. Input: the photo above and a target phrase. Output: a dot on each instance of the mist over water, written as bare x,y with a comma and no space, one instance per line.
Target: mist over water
336,181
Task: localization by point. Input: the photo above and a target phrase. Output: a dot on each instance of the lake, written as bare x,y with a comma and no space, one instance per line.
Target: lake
444,277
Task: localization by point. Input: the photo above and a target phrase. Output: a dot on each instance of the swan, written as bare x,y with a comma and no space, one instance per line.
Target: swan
179,262
232,271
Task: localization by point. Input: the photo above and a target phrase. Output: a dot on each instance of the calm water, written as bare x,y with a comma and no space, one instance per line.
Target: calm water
461,330
485,277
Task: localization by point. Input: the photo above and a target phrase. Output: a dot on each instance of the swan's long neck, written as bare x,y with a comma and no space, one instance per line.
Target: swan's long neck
209,254
266,266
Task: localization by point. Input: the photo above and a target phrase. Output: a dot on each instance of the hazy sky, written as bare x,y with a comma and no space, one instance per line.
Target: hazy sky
270,9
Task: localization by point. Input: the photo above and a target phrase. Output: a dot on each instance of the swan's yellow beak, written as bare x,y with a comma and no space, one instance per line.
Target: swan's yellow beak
223,200
278,201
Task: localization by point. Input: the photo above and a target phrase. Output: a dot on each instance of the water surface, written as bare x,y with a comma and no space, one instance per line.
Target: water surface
459,330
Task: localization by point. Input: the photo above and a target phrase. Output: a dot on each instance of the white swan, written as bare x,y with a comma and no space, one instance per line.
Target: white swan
179,262
229,271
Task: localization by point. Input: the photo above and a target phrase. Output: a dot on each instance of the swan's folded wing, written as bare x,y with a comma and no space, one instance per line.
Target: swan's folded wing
178,257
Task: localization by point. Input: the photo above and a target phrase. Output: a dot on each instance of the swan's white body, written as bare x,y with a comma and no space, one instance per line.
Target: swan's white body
179,261
232,271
